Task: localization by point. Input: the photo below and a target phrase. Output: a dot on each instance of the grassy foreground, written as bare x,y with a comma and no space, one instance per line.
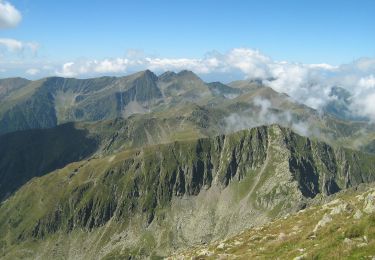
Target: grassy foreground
343,228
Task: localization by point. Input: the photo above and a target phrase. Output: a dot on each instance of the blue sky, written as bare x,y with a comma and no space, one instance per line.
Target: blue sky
333,32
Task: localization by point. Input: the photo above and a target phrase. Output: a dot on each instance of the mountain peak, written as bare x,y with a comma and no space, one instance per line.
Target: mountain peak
167,75
188,74
143,74
148,73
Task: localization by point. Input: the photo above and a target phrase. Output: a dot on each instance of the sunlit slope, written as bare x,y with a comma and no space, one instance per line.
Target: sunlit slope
342,227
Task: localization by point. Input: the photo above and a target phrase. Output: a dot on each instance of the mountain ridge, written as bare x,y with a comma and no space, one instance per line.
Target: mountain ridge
156,179
56,100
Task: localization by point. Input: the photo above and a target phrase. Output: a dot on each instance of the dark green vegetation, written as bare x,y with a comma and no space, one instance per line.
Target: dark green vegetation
144,165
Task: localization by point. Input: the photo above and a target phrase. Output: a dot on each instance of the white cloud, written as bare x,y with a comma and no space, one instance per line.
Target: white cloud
13,45
202,66
68,70
73,69
364,97
251,62
367,82
108,66
322,66
264,113
365,64
32,46
32,71
9,15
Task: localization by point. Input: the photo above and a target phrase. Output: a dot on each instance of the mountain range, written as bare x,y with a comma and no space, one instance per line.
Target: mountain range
143,166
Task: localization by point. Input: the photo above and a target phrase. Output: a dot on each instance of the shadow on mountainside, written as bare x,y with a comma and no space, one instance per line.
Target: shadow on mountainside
32,153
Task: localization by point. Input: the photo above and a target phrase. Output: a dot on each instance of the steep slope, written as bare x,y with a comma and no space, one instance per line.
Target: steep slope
340,227
153,200
129,95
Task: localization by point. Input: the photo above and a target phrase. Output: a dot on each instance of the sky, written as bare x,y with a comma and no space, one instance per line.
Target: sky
305,47
333,32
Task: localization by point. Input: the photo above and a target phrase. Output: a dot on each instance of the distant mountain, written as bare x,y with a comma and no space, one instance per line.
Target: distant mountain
221,89
153,200
185,86
7,86
340,104
51,101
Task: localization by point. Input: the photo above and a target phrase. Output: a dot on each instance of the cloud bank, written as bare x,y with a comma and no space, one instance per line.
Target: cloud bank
309,84
9,15
264,113
16,46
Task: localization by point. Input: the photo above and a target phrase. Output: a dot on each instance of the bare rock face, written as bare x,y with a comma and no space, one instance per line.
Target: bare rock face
369,206
324,221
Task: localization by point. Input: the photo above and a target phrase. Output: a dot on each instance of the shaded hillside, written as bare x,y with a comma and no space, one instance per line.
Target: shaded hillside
32,153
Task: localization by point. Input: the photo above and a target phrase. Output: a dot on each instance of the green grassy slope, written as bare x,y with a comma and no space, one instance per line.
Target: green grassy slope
343,228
